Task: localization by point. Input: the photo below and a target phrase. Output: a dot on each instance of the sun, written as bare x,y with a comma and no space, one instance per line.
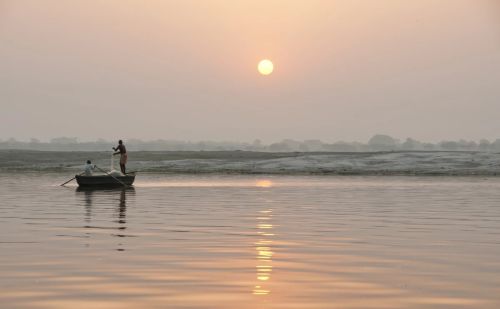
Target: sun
265,67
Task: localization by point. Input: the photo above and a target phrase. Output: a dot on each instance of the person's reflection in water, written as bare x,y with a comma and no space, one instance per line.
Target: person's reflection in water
88,206
122,215
87,199
87,202
122,209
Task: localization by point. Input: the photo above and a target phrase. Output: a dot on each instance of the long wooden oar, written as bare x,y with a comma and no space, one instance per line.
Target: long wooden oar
62,185
125,185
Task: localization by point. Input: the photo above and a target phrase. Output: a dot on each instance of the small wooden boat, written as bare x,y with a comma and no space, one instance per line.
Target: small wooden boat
105,181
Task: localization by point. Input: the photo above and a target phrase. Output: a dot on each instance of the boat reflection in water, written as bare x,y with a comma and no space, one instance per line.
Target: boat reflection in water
264,252
95,199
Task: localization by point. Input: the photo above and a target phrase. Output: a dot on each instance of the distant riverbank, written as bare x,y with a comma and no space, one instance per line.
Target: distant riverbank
243,162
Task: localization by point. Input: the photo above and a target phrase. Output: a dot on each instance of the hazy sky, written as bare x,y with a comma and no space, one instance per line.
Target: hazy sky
344,70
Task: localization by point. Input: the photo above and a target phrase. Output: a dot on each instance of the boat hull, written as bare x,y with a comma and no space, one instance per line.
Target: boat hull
104,181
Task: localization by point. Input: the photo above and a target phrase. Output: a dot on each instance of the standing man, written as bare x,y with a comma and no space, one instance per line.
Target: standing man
122,151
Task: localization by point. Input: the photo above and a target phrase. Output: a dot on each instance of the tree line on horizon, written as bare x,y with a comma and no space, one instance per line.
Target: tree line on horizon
378,142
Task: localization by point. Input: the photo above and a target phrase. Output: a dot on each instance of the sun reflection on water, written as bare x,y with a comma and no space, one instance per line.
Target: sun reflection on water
264,252
264,183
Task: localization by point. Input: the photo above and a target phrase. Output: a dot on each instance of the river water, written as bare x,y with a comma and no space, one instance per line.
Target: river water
251,242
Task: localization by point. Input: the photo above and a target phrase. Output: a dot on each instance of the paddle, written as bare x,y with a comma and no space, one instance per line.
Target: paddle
62,185
125,185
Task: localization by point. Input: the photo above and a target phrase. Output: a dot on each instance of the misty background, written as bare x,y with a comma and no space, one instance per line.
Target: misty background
186,70
378,142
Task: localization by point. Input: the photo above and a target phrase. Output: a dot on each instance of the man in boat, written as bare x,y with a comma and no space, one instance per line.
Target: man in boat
88,168
122,151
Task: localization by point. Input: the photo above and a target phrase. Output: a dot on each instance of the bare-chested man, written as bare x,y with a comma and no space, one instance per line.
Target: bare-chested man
122,151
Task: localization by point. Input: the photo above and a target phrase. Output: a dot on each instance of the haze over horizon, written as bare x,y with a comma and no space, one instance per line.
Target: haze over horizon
186,70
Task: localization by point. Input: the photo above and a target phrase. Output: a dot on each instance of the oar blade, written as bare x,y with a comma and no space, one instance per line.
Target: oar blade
62,185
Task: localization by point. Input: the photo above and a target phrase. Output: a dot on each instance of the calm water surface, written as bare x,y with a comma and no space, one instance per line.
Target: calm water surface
251,242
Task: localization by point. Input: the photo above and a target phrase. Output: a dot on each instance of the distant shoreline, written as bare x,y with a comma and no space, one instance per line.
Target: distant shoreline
386,163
